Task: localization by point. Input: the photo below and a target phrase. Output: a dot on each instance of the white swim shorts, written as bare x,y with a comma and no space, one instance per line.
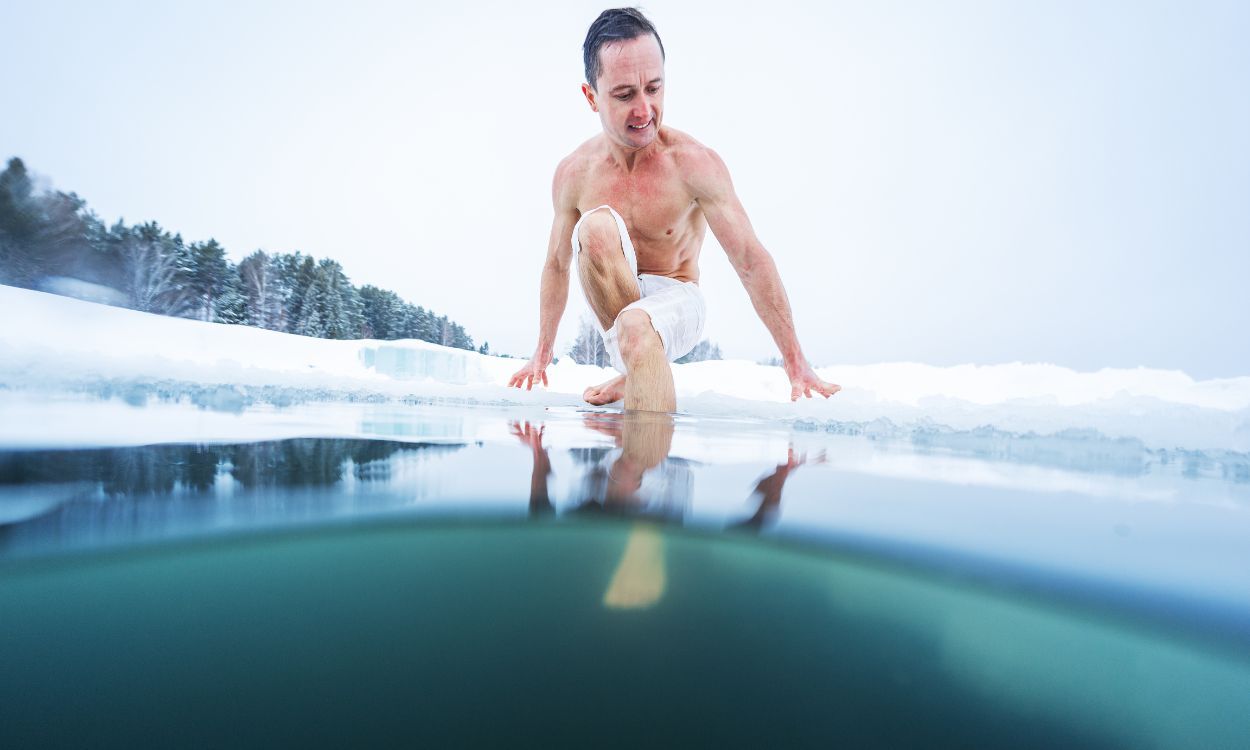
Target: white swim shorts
677,308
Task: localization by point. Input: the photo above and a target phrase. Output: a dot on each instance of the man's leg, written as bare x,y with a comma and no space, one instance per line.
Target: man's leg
609,282
610,285
649,386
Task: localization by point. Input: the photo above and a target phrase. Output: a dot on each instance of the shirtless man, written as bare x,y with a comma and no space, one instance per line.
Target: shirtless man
631,208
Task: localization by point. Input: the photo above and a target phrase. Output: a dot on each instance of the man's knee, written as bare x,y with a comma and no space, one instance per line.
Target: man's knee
599,237
636,336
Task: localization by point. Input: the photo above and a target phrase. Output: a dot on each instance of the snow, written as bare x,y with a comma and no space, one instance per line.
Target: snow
59,345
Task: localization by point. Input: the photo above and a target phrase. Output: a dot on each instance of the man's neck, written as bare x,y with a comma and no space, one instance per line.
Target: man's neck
629,158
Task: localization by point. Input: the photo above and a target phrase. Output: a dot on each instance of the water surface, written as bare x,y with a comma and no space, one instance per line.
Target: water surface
477,575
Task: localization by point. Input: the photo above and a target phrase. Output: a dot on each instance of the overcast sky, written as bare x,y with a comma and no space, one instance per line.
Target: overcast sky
943,182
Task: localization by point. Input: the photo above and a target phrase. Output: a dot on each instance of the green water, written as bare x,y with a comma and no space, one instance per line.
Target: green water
422,634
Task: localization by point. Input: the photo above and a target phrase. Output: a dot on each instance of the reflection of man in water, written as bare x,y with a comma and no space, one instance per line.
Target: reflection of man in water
640,478
632,206
637,477
615,483
769,491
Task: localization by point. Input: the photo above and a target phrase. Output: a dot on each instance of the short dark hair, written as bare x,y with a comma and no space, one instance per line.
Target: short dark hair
614,25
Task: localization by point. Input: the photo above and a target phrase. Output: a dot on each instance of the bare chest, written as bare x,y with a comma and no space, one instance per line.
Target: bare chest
657,208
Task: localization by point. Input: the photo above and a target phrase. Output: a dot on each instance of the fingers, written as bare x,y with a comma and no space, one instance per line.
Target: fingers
806,388
527,377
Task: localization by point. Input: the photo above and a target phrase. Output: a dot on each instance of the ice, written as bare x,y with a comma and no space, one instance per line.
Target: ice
55,344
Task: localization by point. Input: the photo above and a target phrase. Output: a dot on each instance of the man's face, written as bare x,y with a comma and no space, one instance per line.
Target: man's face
630,91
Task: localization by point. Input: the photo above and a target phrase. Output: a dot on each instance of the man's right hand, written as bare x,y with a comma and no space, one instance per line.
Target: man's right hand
535,370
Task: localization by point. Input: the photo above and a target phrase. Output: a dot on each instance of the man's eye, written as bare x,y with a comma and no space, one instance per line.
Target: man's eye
623,97
652,91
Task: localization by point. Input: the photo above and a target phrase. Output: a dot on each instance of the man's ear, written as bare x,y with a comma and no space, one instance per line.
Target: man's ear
590,95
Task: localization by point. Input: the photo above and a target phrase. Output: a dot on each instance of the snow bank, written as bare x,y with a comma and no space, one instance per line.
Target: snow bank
53,343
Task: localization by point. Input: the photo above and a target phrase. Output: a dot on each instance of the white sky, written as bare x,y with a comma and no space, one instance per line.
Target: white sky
939,182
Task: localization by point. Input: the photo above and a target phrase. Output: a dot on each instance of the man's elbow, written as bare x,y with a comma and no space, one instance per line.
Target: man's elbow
556,265
753,262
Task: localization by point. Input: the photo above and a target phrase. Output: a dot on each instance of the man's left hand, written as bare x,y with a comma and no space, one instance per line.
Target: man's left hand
803,381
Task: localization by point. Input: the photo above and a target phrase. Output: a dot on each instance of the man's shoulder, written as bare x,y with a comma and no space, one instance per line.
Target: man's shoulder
683,146
580,159
699,165
571,173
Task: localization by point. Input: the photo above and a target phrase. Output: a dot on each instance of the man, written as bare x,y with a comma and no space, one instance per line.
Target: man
631,208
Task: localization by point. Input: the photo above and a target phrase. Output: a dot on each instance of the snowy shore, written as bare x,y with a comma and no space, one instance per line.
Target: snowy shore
56,344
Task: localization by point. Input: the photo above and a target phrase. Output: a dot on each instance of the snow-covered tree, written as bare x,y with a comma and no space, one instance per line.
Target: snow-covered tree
262,290
704,350
47,234
208,276
154,266
588,348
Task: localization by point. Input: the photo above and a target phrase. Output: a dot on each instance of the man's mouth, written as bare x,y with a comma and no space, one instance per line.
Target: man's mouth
642,126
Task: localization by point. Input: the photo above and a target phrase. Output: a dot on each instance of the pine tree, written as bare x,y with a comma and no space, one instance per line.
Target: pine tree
43,234
460,339
208,276
306,319
19,265
298,274
386,316
231,305
332,297
425,326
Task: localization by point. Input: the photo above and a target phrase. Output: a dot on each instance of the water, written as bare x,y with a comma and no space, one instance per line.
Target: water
426,574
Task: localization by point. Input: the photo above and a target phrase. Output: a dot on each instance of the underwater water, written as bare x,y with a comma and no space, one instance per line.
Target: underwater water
386,574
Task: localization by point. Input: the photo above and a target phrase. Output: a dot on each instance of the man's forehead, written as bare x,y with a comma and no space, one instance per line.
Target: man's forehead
631,62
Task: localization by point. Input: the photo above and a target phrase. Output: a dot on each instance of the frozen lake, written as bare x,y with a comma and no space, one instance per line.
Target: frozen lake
552,566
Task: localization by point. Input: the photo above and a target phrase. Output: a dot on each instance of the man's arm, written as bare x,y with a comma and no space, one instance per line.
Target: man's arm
709,180
553,292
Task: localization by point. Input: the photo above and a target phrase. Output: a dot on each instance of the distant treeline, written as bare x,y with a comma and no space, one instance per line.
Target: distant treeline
50,240
588,348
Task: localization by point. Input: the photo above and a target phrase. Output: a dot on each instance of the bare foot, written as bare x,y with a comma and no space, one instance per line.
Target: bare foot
640,578
605,393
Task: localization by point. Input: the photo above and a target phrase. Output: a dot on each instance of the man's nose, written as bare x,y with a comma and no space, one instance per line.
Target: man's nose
642,107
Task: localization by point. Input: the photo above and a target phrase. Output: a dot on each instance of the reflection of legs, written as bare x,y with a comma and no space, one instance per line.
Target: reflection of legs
610,285
644,439
640,578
